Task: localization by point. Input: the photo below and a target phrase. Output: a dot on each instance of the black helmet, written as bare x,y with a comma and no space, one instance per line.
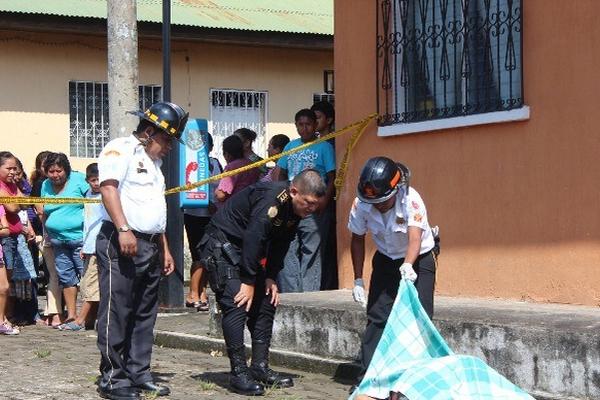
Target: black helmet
380,179
166,116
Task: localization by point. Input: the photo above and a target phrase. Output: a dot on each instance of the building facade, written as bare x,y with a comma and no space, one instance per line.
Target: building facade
492,104
254,73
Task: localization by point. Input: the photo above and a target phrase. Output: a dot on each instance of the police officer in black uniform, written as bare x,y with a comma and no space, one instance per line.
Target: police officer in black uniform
259,221
130,247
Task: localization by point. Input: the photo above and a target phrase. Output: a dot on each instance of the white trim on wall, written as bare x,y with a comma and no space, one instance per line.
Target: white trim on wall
519,114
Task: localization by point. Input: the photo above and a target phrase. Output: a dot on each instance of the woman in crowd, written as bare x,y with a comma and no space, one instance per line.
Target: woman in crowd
248,137
276,146
53,311
14,245
233,151
5,327
195,221
64,225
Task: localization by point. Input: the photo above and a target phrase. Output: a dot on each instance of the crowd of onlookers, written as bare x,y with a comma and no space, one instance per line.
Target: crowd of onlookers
49,248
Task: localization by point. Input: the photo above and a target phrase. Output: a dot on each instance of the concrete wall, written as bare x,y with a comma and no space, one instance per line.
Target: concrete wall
517,203
36,69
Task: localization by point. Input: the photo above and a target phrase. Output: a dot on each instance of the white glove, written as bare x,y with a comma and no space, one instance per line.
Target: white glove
407,272
358,293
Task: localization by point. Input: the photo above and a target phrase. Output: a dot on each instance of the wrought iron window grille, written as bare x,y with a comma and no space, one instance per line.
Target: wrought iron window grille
447,58
329,97
232,109
88,115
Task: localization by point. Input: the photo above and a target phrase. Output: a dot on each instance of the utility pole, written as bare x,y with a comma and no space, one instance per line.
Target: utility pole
122,67
170,293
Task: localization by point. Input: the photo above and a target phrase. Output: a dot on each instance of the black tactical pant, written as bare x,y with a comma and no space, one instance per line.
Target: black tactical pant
385,281
127,309
259,319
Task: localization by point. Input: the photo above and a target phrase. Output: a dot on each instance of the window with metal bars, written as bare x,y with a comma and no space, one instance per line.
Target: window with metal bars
329,97
232,109
88,115
447,58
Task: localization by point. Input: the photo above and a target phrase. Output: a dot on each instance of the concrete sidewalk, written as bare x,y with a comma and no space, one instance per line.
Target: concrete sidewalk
46,364
552,351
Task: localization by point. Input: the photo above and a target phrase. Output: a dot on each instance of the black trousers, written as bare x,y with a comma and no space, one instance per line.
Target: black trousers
385,281
127,309
259,319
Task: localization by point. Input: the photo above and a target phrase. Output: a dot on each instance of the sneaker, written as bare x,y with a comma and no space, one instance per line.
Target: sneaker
6,329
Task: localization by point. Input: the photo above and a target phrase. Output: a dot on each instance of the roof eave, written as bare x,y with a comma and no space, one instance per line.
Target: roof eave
179,33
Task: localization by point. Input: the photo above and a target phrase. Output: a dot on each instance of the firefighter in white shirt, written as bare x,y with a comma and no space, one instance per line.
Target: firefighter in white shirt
395,215
132,250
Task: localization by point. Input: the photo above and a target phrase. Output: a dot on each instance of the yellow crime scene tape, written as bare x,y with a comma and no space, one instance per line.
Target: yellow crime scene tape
358,127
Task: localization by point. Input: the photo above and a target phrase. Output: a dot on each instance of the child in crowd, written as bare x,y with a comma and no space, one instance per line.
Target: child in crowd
276,146
5,327
90,289
25,310
325,114
233,151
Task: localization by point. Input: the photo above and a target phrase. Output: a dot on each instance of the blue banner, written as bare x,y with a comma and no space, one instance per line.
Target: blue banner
194,164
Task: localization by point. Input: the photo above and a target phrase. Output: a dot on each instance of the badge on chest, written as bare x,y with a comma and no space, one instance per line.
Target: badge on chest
141,169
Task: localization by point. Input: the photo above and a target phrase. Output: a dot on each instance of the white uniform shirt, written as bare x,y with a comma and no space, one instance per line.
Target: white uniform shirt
141,184
391,236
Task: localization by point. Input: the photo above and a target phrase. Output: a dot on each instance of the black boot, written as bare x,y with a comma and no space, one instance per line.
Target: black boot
260,367
241,380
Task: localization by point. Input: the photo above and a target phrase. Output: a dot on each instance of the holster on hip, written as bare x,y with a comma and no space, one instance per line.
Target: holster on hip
220,268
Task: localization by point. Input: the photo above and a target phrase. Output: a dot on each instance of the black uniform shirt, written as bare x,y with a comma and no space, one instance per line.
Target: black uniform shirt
260,220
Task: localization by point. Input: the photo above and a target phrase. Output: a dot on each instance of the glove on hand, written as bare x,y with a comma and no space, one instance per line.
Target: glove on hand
358,293
407,272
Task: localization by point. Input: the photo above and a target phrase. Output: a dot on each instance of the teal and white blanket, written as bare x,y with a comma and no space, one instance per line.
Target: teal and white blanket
412,358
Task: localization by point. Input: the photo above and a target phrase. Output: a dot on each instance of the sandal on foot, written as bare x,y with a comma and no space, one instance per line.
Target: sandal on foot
202,306
70,326
192,304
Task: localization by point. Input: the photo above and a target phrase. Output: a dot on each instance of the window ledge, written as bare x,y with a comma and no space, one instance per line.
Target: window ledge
519,114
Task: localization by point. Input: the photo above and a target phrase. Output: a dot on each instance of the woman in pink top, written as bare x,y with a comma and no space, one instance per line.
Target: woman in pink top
233,151
14,244
5,328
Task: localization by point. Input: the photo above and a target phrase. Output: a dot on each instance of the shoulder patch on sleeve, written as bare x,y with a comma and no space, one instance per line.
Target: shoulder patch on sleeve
283,196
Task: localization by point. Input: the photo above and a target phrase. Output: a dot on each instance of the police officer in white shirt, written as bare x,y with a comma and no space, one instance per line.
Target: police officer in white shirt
130,248
396,216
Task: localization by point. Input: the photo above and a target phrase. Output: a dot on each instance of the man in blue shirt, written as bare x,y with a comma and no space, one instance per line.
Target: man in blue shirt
302,265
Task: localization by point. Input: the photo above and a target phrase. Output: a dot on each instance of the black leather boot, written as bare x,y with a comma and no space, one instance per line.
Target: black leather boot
241,380
260,367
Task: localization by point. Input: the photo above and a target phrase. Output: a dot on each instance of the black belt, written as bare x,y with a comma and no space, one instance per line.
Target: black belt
148,237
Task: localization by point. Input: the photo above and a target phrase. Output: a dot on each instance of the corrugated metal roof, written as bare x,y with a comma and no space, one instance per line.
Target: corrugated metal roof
294,16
